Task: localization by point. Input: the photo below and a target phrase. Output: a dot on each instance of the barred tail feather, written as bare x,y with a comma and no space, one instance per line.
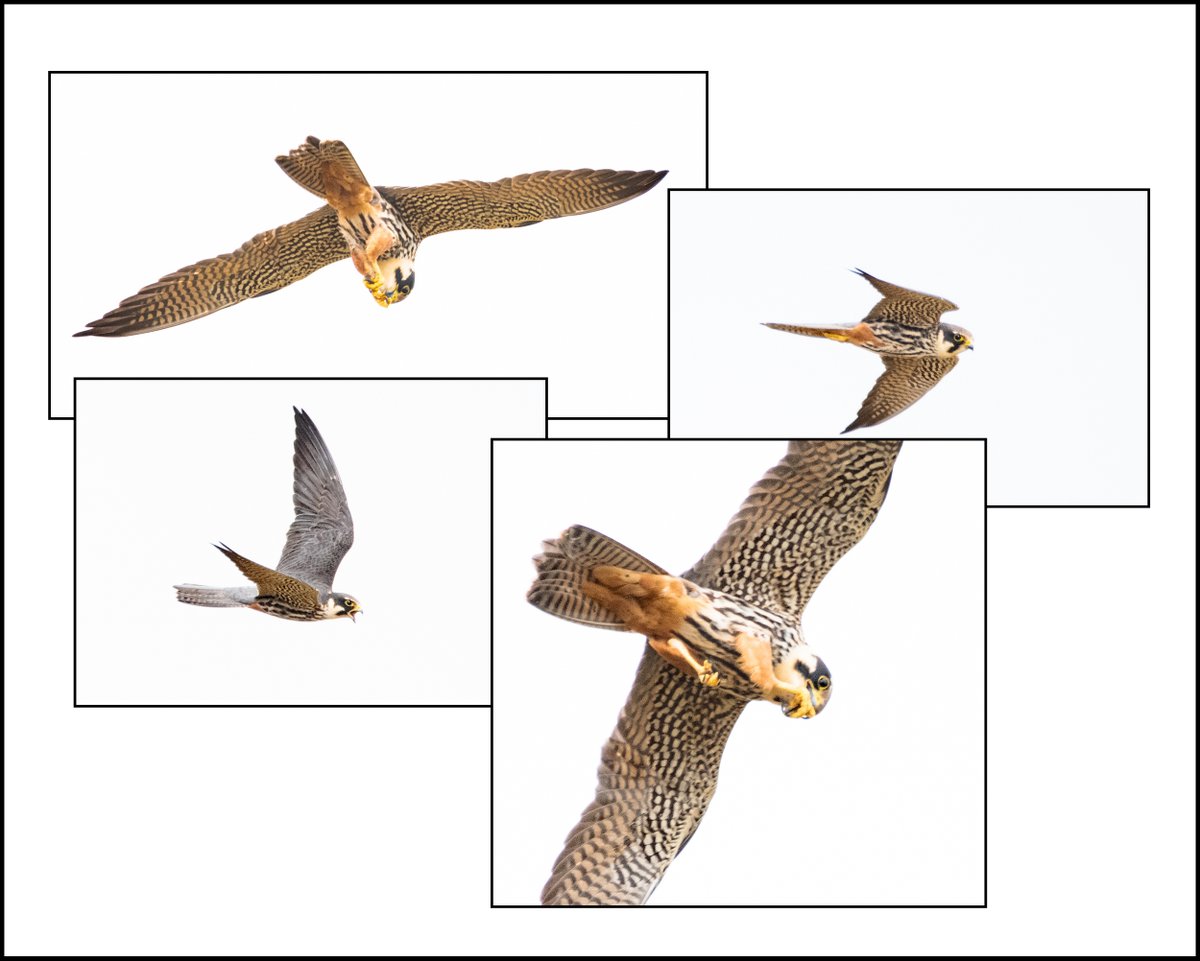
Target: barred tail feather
833,333
214,596
567,562
324,166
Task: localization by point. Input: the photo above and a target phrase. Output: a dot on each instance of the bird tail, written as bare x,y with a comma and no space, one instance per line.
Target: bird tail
566,563
214,596
327,169
833,333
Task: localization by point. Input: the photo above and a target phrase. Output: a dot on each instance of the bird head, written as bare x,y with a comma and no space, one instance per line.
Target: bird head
952,339
343,605
400,279
812,678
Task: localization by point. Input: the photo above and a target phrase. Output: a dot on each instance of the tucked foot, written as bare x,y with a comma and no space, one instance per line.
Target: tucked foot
676,652
798,702
374,283
796,697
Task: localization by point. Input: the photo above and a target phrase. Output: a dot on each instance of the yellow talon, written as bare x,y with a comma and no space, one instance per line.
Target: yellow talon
375,285
800,705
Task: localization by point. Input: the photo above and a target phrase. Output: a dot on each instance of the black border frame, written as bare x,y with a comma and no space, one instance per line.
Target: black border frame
1149,286
50,74
492,669
75,528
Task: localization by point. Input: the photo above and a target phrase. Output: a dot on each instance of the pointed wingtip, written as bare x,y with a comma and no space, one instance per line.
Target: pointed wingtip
654,181
85,333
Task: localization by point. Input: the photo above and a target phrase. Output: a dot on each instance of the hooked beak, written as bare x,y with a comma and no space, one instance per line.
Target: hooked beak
801,704
807,702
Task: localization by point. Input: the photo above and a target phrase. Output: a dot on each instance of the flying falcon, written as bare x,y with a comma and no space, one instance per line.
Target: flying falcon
916,348
723,634
378,228
301,586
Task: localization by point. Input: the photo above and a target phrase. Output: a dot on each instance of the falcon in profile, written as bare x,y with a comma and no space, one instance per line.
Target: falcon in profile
917,349
378,228
723,634
300,587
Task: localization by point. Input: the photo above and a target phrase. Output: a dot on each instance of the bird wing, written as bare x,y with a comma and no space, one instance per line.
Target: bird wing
904,381
658,770
516,201
323,530
903,306
267,262
798,521
274,583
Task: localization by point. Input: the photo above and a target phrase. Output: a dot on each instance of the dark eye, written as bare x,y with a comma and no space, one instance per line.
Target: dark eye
959,338
823,682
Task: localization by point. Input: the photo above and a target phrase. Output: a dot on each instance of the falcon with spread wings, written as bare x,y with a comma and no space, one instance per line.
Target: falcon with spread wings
378,228
916,346
723,634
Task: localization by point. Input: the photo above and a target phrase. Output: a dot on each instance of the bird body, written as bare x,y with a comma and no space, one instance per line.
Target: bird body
917,348
721,635
378,228
725,641
382,246
300,587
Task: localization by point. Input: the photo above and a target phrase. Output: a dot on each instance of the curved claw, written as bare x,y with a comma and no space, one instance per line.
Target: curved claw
375,285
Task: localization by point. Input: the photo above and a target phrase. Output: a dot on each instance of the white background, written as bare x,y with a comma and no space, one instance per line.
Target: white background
168,468
133,165
1051,284
882,793
269,831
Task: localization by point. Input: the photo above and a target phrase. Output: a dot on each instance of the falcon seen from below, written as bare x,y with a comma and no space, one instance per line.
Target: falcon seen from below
723,634
378,228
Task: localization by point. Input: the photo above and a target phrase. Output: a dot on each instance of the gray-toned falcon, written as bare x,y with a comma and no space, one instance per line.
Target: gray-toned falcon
300,588
917,349
379,228
723,634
